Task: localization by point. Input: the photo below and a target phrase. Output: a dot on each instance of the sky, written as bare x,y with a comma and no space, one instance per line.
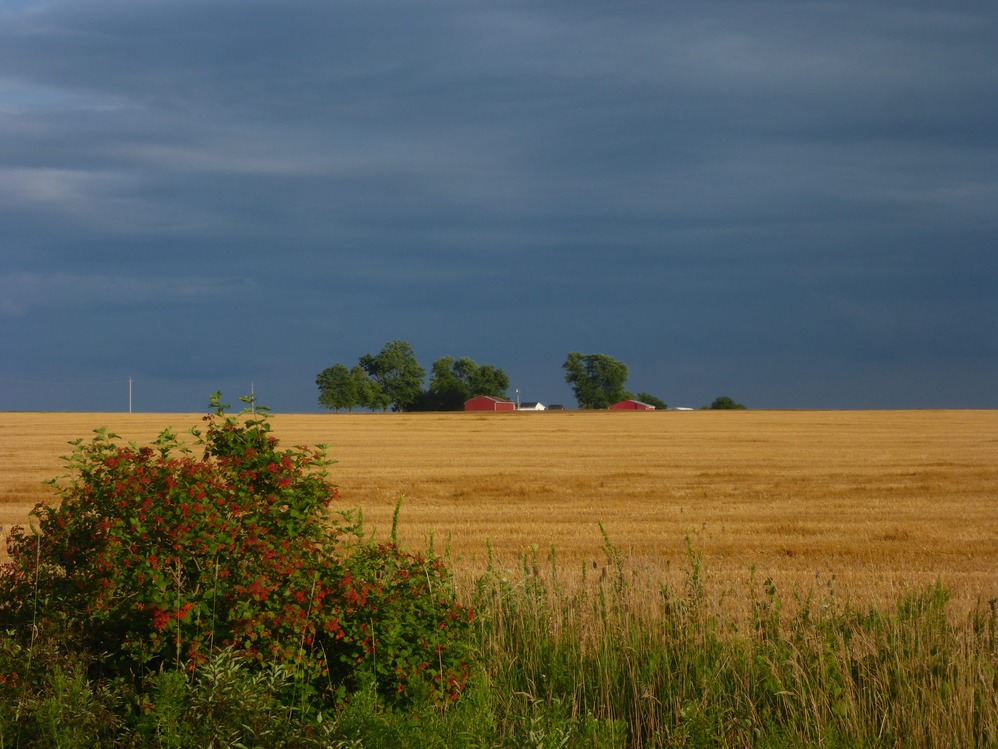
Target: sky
793,203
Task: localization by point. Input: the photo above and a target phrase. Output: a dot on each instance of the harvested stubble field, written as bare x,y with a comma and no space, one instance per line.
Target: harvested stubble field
863,505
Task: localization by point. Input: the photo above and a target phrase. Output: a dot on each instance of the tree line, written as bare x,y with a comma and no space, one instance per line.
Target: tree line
393,379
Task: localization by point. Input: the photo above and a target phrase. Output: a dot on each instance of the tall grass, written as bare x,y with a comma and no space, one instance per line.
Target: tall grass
674,670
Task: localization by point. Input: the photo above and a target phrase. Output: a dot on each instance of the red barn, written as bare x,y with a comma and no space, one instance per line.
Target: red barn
488,403
631,405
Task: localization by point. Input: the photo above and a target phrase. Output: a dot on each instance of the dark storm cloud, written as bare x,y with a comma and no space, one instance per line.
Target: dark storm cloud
740,195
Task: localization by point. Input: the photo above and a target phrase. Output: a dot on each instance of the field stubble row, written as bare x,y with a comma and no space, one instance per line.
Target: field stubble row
864,505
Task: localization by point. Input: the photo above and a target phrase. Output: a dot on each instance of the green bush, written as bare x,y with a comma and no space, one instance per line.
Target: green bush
159,557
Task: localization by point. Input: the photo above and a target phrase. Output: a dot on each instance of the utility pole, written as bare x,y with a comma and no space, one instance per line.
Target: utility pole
129,395
252,399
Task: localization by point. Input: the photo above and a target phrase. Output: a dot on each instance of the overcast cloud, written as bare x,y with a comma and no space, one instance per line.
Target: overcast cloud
791,203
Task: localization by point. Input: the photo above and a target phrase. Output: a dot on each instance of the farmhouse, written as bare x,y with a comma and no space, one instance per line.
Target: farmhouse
488,403
631,405
531,406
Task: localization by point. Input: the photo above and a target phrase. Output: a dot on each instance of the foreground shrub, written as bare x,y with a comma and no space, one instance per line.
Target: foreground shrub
159,557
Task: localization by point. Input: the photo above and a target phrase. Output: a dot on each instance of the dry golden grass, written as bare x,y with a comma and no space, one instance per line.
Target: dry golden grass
869,504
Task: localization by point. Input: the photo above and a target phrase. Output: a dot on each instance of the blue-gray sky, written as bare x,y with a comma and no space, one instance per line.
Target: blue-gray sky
792,203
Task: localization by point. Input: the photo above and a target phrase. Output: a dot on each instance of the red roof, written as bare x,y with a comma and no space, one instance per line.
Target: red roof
488,403
631,405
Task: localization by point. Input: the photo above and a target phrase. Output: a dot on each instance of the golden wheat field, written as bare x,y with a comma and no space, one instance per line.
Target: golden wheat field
863,504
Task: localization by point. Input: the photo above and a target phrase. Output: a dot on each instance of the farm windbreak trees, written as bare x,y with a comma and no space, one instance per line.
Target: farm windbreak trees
157,558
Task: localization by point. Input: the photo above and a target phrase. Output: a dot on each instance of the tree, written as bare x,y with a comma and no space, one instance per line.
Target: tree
375,398
489,380
724,403
396,373
454,381
337,389
340,387
597,379
365,390
447,391
651,400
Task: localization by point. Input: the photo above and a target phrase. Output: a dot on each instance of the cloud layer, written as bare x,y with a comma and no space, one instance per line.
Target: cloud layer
791,203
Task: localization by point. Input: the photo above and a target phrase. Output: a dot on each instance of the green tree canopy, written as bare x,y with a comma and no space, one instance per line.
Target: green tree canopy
340,387
447,391
396,373
724,403
488,380
366,390
597,379
337,389
651,400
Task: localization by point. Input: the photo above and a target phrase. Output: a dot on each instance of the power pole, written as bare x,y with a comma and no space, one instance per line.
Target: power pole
129,395
252,399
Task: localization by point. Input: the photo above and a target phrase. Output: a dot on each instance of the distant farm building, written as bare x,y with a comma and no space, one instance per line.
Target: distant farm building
532,406
632,405
488,403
